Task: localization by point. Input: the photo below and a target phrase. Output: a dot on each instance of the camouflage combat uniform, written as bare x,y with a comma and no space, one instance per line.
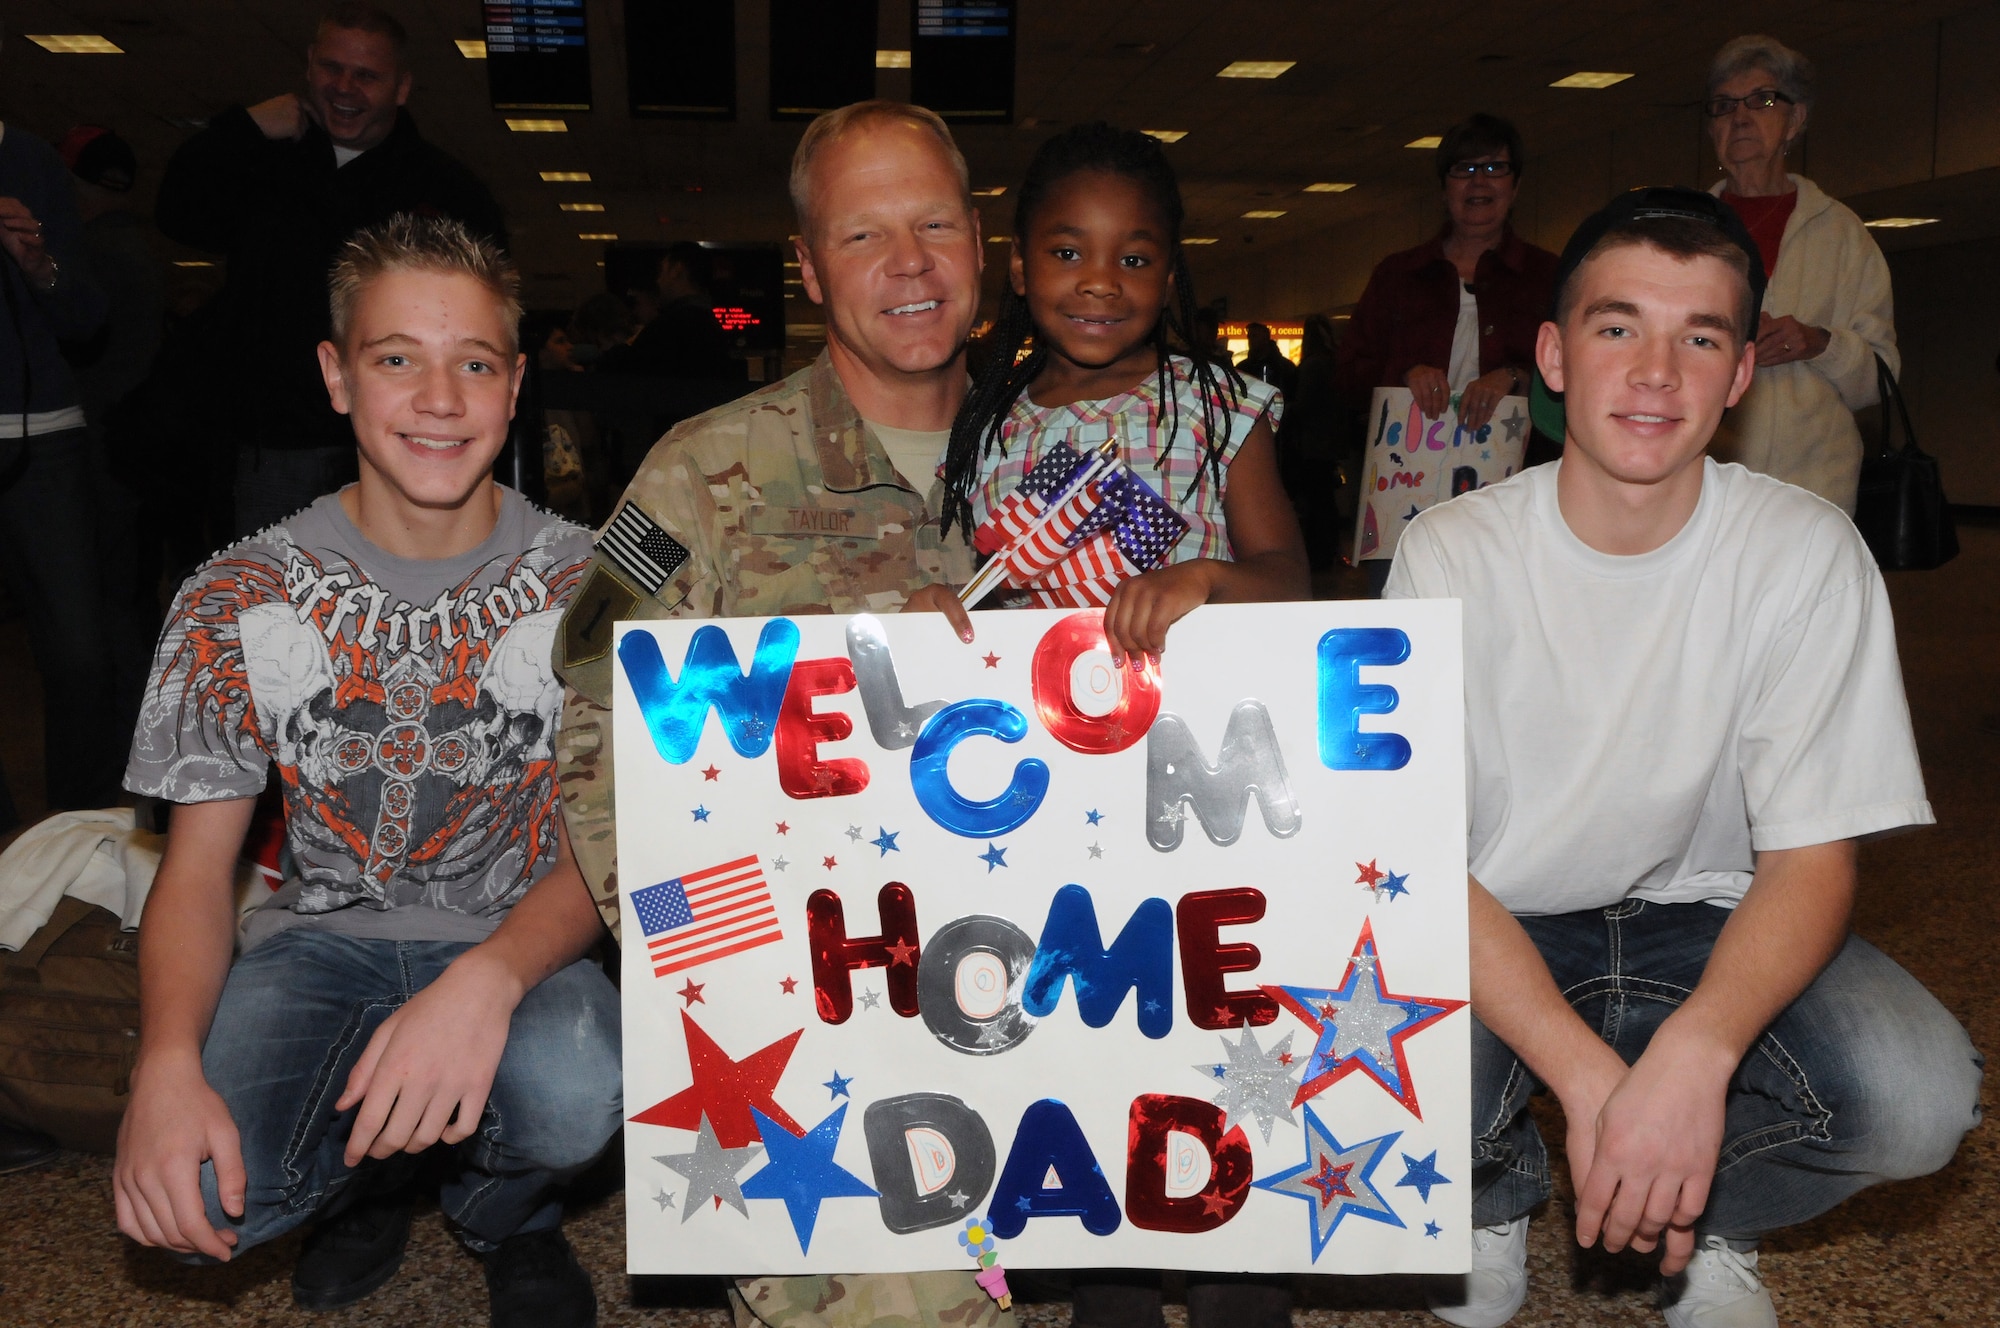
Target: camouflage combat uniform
784,503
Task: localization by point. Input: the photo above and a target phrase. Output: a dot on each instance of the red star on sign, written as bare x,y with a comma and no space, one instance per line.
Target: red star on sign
710,773
788,985
1369,876
1331,1182
992,660
1214,1205
691,993
828,863
784,829
724,1089
902,952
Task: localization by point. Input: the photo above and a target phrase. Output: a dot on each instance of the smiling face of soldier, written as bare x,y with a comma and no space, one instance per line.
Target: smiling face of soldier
892,253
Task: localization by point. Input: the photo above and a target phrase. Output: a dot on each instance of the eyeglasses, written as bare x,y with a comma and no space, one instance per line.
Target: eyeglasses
1761,99
1492,170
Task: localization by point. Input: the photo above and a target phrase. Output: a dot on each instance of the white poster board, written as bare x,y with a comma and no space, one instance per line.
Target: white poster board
1415,461
918,932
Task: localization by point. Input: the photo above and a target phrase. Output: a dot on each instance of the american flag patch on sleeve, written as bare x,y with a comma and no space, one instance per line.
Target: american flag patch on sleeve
641,548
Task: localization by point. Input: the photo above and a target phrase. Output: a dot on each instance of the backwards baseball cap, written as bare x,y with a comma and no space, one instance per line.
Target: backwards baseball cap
1648,203
97,156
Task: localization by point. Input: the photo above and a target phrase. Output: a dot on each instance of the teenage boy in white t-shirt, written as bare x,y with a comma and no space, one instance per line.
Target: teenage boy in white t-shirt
1684,707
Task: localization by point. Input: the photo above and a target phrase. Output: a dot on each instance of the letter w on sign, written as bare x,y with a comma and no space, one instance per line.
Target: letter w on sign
706,915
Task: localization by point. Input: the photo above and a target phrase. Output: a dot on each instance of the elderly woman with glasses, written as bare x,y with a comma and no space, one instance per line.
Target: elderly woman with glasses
1827,308
1458,313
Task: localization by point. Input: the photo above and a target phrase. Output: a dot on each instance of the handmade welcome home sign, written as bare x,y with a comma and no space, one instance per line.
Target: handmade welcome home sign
1416,461
937,952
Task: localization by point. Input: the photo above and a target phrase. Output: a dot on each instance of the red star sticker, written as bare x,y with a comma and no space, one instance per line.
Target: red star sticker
1369,876
691,993
992,660
1226,1017
788,985
902,952
1331,1182
784,829
828,863
1284,1058
724,1089
710,773
1214,1205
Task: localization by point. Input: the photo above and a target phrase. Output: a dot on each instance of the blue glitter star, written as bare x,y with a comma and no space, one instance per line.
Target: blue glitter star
1093,816
1432,1229
1336,1181
994,856
1413,513
1422,1175
1219,1071
1392,884
837,1087
802,1172
886,841
701,813
1024,1203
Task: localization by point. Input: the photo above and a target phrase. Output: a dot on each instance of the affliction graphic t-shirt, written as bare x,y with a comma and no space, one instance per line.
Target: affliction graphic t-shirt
409,706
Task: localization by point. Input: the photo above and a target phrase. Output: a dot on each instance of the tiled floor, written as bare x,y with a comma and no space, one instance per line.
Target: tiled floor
1922,1252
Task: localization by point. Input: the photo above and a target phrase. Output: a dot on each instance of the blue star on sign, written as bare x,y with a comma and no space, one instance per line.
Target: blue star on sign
701,813
1335,1181
1413,513
1422,1175
1219,1071
802,1172
1432,1229
1093,816
994,856
885,841
1392,884
837,1087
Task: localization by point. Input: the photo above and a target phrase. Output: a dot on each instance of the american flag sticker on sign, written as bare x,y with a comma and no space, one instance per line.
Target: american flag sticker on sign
706,915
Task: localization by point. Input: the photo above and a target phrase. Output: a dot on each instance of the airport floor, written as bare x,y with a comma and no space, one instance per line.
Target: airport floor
1921,1252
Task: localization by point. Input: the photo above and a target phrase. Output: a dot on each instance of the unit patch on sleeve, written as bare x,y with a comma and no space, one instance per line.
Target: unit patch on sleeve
639,547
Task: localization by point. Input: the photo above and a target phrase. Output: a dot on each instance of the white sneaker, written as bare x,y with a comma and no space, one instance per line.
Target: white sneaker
1498,1282
1719,1289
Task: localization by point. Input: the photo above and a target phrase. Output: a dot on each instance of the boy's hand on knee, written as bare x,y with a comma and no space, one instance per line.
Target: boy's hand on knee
173,1124
1142,609
426,1073
1656,1141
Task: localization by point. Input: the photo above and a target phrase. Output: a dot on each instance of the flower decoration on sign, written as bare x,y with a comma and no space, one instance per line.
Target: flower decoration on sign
977,1240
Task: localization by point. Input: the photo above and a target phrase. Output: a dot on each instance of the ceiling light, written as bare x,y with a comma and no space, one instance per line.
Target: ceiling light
1328,187
565,177
1199,239
994,192
1255,68
539,126
596,235
892,59
793,264
999,239
1427,141
192,262
581,207
1585,78
1262,214
1900,223
471,48
75,43
1166,135
793,281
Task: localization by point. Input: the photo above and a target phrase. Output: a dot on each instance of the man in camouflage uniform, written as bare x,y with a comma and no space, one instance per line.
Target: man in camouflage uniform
787,502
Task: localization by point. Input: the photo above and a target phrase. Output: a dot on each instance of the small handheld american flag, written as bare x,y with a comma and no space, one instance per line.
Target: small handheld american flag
1080,523
706,915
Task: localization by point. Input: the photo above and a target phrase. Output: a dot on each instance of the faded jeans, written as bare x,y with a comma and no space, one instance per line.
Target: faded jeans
294,1018
1864,1078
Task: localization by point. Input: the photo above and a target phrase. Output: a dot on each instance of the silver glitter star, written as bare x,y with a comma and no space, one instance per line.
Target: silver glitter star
1096,852
711,1170
752,728
959,1198
664,1200
779,864
993,1034
870,999
1256,1084
1364,1022
1512,424
855,832
1171,814
904,729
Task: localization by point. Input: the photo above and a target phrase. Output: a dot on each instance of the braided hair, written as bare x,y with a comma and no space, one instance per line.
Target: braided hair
1007,372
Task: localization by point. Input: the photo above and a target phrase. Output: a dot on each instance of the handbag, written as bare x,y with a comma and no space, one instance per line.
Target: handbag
1900,507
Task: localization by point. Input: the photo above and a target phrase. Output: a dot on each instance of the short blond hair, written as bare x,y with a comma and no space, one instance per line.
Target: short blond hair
835,123
410,243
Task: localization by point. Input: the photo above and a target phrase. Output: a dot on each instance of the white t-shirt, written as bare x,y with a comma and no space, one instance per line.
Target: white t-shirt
1642,726
1464,366
915,452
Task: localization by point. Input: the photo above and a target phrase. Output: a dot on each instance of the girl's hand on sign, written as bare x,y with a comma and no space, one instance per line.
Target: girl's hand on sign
942,599
1142,609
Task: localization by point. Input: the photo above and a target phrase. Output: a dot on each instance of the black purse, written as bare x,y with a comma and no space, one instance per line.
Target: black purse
1900,508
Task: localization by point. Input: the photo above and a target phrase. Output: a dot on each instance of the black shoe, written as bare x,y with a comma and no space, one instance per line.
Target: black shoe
23,1149
534,1281
351,1255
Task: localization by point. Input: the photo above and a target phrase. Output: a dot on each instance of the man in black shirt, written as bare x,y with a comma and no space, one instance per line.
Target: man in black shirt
683,340
276,187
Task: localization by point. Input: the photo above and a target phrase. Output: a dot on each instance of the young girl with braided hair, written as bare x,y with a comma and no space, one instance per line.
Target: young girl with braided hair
1092,334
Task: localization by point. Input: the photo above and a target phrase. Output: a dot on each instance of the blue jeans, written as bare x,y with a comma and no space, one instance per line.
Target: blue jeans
1864,1078
295,1016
